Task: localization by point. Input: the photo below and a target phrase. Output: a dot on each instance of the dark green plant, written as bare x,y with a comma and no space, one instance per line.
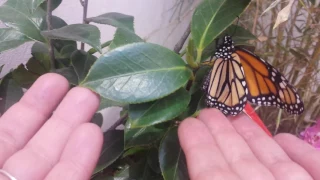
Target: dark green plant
156,86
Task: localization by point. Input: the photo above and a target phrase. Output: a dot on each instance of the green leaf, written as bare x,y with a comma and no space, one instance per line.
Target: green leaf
85,33
32,4
57,23
58,44
137,171
41,53
135,150
171,157
193,105
211,18
136,73
145,136
13,16
10,38
124,37
97,119
26,75
54,4
114,19
153,160
112,149
67,51
155,112
69,73
105,103
82,62
10,93
240,36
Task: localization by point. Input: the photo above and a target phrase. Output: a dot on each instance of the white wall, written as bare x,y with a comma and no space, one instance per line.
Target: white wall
152,22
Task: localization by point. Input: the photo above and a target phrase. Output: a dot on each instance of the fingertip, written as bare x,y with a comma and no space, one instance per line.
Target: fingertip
80,95
186,126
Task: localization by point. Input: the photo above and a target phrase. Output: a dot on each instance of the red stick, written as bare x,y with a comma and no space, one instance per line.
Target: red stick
254,116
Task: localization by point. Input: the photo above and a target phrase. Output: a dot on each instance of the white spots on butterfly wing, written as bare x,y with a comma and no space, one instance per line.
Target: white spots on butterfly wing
244,83
282,85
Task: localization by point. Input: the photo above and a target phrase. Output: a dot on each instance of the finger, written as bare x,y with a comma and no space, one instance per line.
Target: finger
44,149
204,159
235,150
267,150
25,118
80,155
301,152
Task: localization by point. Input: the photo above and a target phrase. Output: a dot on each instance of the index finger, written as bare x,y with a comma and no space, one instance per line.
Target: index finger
25,118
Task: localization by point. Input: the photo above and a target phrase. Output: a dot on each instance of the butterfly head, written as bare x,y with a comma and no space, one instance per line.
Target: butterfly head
225,49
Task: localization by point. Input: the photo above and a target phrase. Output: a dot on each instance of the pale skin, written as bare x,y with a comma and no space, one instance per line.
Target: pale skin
35,145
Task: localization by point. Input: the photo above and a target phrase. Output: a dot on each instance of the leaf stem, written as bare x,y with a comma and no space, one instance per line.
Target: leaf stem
119,122
84,4
199,54
93,50
49,26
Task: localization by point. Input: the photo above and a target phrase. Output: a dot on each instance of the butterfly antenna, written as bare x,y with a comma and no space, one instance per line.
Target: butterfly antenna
235,29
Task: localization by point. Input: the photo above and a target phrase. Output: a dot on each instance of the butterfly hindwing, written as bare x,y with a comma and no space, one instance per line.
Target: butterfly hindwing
225,86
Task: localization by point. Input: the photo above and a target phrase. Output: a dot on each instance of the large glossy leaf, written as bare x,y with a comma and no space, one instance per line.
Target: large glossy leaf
82,62
114,19
112,149
10,38
155,112
10,93
136,73
171,157
145,136
14,15
211,18
85,33
123,37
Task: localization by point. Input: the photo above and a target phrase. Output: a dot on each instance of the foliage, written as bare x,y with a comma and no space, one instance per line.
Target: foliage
156,87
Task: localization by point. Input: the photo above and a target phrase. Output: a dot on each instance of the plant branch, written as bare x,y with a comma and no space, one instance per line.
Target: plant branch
84,4
119,122
49,26
179,45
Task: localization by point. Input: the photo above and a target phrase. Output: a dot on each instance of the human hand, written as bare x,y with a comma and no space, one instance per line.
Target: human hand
218,148
35,145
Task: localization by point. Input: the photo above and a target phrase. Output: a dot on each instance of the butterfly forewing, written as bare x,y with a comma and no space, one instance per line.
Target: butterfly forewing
266,85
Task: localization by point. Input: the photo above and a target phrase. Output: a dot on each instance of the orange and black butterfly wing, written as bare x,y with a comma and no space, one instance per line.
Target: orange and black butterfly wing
266,85
225,86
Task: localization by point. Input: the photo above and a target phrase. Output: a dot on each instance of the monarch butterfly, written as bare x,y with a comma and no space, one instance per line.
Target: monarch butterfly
238,76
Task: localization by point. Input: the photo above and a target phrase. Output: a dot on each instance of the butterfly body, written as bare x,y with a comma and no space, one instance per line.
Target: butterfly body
238,76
